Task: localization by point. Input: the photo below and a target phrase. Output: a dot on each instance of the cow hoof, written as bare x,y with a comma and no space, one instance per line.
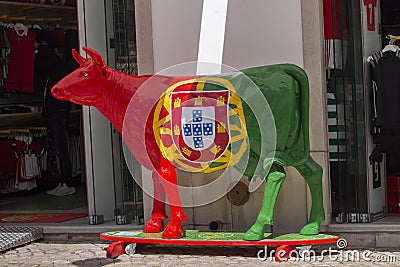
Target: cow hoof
312,228
173,230
153,226
255,233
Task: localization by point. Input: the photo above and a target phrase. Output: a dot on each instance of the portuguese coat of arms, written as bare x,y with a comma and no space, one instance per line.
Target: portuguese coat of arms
200,124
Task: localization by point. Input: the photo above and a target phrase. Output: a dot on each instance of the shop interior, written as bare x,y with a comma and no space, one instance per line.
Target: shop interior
363,159
30,165
21,113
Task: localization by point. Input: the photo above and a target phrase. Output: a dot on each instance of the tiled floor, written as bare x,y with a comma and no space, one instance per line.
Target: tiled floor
390,219
37,200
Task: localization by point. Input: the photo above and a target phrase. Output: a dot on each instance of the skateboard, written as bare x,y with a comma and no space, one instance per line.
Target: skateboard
125,242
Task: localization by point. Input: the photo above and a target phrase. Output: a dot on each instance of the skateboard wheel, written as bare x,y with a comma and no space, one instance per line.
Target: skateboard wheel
283,252
115,249
304,251
130,249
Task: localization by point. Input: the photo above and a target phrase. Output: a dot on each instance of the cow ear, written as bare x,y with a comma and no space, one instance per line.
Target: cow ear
94,55
78,57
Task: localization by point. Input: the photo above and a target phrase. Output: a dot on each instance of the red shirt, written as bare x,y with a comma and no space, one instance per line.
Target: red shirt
21,65
333,11
59,36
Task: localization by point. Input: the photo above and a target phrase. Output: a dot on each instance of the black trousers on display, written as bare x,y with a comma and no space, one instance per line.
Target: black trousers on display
57,127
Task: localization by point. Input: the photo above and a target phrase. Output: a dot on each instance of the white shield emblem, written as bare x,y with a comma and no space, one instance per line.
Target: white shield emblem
199,124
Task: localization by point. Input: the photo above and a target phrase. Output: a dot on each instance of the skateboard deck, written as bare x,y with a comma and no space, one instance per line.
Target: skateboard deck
125,241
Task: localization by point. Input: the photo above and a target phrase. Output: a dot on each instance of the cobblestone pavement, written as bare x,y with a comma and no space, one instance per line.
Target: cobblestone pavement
93,254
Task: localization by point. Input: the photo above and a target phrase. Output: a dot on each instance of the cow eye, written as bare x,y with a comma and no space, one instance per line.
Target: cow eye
85,74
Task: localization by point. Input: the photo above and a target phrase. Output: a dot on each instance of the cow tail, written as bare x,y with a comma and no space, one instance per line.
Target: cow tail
300,75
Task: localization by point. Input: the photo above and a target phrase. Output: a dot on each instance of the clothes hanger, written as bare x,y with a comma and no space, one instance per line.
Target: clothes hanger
21,29
391,46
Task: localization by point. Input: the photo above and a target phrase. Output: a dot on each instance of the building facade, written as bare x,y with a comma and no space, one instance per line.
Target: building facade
168,33
329,39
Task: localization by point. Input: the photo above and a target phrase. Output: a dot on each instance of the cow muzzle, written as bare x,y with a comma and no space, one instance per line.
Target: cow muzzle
57,93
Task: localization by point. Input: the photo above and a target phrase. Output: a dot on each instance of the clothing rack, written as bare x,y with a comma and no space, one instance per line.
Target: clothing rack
24,134
50,12
38,23
32,131
23,158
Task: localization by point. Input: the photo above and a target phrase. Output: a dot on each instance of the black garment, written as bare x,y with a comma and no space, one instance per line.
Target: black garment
385,70
42,67
385,99
56,113
71,42
58,70
57,129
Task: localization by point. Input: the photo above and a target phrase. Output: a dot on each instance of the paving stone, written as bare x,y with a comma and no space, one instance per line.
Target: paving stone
54,254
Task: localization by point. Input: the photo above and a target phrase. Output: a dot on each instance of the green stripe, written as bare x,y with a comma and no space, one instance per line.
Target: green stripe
332,114
337,155
336,128
331,101
337,142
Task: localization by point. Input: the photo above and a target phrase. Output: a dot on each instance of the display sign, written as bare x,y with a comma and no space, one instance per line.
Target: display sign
371,6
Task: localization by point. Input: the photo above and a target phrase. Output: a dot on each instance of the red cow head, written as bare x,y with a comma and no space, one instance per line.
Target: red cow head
85,85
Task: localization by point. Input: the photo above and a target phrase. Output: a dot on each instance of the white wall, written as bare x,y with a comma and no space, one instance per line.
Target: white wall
176,28
263,32
258,33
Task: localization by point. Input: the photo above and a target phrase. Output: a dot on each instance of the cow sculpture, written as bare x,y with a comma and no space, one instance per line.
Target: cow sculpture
285,87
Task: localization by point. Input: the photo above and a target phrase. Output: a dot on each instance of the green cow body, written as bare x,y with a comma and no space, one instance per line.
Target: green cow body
286,89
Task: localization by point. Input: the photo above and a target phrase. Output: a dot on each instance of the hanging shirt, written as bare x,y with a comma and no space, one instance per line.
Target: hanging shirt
21,65
59,36
385,70
4,53
385,99
7,159
335,27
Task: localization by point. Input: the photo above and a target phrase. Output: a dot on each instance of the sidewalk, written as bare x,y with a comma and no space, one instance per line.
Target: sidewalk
93,254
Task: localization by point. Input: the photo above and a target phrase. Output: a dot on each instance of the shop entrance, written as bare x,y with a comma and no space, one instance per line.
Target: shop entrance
360,175
104,188
36,40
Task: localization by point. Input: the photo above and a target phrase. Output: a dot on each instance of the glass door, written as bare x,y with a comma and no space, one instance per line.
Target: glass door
346,108
128,195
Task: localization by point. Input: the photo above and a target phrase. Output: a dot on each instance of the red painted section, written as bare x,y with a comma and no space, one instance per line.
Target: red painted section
264,242
111,91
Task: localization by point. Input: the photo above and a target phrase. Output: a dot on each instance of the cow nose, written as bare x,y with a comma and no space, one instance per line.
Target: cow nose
54,90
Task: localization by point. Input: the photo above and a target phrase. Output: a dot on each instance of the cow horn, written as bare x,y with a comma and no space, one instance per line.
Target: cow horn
78,57
94,55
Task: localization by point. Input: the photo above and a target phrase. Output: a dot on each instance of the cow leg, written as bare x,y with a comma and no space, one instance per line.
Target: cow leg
158,214
168,180
312,173
265,218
